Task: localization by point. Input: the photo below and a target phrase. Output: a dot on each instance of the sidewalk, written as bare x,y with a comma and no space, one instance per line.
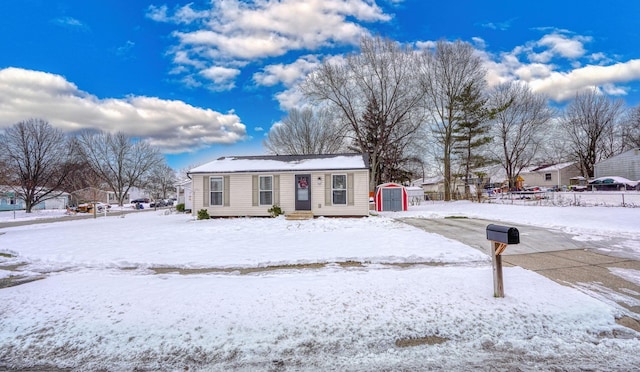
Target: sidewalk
72,217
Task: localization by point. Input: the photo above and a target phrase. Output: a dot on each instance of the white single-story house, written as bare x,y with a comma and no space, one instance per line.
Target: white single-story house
324,185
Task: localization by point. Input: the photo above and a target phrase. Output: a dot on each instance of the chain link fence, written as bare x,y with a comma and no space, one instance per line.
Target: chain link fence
629,199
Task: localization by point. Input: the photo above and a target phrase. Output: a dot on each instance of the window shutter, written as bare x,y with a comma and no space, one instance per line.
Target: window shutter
206,198
227,189
254,191
276,190
327,189
350,195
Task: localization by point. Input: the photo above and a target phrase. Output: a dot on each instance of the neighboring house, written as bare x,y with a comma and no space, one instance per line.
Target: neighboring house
93,194
184,194
433,187
9,201
550,176
625,165
325,185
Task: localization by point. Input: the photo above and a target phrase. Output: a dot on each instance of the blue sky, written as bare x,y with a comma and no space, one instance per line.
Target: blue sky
204,79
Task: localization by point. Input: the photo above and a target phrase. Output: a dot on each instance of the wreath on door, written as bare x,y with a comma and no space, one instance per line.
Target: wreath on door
302,183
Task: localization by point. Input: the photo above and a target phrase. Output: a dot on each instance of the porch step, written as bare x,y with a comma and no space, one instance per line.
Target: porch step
299,215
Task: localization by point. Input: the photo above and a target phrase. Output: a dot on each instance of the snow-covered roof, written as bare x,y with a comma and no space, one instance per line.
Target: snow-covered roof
427,181
280,163
554,167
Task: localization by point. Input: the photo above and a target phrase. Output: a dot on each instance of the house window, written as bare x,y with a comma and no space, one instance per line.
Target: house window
339,189
547,176
266,190
216,190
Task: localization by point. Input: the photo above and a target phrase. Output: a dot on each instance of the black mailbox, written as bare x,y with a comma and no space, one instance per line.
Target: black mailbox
503,234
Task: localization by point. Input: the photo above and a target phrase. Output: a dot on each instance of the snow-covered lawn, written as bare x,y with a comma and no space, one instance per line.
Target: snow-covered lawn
102,306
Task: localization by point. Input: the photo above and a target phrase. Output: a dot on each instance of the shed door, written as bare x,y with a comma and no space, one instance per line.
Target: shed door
303,192
392,199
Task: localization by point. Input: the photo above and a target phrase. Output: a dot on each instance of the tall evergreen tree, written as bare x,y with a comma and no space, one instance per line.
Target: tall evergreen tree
471,130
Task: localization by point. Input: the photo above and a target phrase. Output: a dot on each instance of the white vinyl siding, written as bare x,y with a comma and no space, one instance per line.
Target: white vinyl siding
241,194
339,189
266,190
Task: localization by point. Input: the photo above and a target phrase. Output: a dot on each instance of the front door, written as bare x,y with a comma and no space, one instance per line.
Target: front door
303,192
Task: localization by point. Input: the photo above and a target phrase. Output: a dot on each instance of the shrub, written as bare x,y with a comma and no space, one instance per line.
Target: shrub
180,207
203,214
275,211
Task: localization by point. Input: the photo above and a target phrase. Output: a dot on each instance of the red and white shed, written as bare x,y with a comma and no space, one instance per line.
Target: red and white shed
391,197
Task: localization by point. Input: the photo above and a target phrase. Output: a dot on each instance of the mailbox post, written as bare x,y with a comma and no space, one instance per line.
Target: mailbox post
500,237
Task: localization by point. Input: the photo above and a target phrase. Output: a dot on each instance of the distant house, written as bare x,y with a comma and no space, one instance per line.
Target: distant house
324,185
92,194
432,187
625,165
551,176
10,201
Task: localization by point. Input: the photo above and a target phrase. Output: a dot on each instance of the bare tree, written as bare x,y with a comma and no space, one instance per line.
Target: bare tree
519,128
590,122
445,72
631,129
118,160
307,131
38,160
375,92
161,181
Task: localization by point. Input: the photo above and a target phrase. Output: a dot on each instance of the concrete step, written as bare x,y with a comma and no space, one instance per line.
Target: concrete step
299,215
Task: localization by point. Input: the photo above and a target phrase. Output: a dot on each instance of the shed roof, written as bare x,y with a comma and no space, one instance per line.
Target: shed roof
281,163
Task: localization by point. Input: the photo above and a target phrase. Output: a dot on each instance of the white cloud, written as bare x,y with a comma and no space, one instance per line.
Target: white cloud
557,44
564,85
173,126
286,74
233,32
565,47
429,44
561,81
70,22
291,98
221,77
533,71
479,42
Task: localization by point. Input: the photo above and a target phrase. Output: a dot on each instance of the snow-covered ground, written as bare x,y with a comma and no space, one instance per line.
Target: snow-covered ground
101,304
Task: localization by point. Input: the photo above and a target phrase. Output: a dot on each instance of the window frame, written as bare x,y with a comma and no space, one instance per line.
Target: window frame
221,192
334,189
261,191
547,177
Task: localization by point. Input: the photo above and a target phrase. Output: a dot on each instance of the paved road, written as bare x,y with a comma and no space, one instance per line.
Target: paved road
556,255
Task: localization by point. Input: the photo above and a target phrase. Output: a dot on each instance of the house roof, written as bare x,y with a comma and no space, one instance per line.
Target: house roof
281,163
553,167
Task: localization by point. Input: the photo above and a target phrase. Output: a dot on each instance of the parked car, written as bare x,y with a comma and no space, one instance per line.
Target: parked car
140,200
157,204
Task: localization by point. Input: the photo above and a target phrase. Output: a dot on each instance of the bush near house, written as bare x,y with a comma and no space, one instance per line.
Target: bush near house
203,214
275,211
